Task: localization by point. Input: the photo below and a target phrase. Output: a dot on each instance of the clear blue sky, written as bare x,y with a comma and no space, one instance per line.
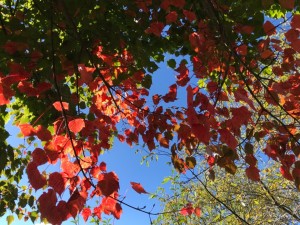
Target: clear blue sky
127,164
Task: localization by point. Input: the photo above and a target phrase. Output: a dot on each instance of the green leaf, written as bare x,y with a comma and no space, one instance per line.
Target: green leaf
166,180
31,201
172,63
147,81
33,216
190,162
3,159
10,219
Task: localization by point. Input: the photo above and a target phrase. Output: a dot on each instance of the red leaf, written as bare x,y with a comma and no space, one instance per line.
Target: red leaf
292,35
57,182
201,132
190,95
295,44
155,28
138,188
241,115
242,50
63,210
269,28
103,166
250,159
187,210
286,173
295,22
253,173
86,212
58,107
156,98
266,54
43,134
191,16
47,202
271,151
178,3
171,96
183,77
39,156
36,179
76,202
86,74
118,211
287,4
171,17
76,125
197,211
228,138
27,130
210,160
108,183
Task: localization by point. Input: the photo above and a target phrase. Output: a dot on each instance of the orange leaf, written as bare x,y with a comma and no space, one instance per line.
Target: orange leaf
27,130
197,211
76,125
58,107
138,188
86,212
110,206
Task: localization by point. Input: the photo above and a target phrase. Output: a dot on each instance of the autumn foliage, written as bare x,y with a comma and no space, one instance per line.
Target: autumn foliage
71,73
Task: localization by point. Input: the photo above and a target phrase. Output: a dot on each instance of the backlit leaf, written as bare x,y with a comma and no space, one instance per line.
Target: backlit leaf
57,105
76,125
108,183
138,188
57,182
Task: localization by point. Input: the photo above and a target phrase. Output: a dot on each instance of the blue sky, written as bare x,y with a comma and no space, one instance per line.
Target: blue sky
126,163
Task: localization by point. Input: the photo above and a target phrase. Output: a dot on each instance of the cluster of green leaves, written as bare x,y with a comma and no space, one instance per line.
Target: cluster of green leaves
271,201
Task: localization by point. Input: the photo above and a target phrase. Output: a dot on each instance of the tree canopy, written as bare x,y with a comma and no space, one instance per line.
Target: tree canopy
77,75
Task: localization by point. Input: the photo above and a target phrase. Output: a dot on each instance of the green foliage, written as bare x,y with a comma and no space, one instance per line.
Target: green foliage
248,199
